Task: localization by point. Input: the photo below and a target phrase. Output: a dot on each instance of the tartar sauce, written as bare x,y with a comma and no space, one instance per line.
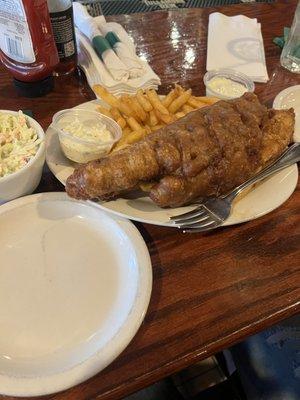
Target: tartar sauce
85,142
96,132
226,87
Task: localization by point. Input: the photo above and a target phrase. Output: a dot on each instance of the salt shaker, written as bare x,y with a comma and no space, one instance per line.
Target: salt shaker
290,56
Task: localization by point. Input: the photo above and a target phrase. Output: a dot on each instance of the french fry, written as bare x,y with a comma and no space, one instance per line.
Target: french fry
143,101
112,100
179,114
125,106
104,111
121,122
116,115
156,103
135,136
166,119
119,146
194,102
106,96
126,130
146,186
129,138
207,100
152,118
138,109
123,141
170,97
178,89
126,101
148,129
156,127
180,101
187,108
134,125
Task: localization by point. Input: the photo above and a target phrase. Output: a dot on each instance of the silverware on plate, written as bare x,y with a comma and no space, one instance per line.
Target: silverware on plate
213,211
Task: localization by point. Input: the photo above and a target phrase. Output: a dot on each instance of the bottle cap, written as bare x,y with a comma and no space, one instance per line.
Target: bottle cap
35,89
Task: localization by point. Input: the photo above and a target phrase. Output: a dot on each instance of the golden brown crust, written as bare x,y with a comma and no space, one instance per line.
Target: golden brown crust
208,152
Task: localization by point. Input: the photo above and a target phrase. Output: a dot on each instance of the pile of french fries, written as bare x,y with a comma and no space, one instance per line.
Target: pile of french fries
146,112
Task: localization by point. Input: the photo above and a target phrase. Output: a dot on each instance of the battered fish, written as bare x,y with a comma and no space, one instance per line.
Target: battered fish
208,152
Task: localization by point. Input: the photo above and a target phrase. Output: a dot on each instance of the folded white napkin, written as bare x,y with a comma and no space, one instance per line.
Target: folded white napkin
125,53
115,66
117,28
86,24
97,73
119,69
135,67
236,43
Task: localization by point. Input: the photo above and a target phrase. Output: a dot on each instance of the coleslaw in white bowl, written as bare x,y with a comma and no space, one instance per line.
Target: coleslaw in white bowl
22,154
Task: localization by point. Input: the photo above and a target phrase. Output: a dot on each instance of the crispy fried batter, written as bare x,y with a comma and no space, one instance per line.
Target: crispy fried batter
208,152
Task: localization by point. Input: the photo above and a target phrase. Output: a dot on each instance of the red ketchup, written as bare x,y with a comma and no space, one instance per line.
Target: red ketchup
27,45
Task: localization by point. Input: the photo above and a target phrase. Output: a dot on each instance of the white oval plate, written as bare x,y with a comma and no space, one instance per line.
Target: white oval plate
261,200
288,98
75,284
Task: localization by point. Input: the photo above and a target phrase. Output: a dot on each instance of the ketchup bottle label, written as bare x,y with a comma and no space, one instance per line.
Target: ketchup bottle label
64,35
15,39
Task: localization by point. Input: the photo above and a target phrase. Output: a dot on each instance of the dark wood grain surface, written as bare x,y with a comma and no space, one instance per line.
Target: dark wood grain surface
209,290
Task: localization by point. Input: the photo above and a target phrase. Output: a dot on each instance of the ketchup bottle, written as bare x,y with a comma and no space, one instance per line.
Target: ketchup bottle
27,45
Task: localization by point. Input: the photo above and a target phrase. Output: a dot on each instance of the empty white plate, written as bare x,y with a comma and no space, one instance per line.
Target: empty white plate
75,284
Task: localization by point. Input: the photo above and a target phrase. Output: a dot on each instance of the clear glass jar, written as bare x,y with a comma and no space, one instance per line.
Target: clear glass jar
290,56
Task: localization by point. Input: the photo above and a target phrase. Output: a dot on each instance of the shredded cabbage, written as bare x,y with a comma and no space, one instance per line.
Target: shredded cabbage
18,143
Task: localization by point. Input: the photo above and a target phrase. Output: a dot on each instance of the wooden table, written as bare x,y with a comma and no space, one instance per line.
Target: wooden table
209,290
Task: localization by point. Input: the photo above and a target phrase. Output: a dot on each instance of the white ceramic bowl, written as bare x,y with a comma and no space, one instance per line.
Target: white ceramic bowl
25,180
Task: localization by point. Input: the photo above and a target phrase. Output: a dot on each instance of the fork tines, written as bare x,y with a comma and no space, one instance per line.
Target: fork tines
198,220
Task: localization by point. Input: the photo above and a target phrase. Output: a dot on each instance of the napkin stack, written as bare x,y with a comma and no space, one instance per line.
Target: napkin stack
236,43
107,55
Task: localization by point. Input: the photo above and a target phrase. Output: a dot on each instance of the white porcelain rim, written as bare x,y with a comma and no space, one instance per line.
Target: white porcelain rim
12,386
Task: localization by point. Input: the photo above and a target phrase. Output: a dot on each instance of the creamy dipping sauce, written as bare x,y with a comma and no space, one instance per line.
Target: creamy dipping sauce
84,142
226,87
90,132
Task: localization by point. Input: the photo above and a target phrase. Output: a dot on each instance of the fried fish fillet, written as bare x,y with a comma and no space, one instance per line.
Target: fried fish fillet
208,152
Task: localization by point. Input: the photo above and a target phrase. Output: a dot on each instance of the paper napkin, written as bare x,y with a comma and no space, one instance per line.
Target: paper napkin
97,73
236,43
86,24
108,57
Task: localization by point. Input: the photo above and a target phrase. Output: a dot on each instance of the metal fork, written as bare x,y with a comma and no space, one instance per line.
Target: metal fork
212,212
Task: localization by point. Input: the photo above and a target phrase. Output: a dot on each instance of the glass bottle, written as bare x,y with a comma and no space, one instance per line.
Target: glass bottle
27,47
290,56
61,15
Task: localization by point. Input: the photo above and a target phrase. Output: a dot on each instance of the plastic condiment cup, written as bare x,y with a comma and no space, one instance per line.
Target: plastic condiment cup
79,149
229,74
